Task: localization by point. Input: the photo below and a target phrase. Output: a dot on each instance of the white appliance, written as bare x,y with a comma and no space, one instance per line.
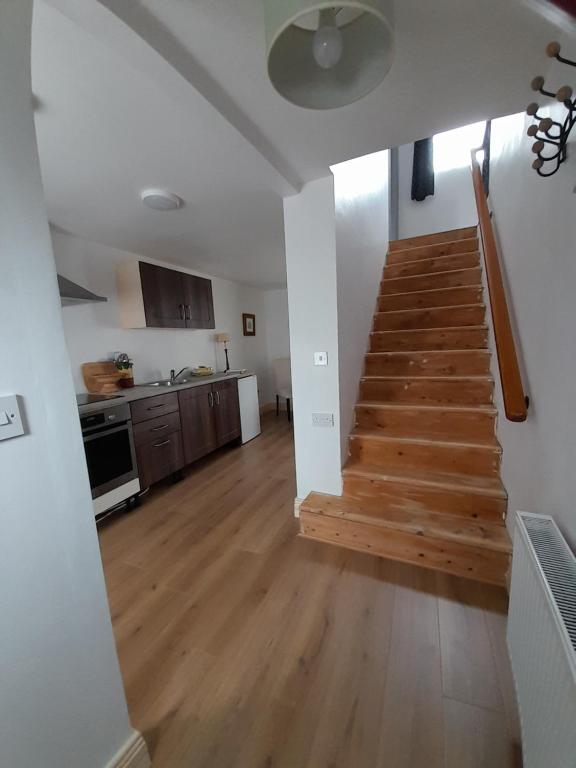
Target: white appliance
249,407
542,641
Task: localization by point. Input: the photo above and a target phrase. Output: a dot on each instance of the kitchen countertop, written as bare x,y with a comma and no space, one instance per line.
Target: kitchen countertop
142,391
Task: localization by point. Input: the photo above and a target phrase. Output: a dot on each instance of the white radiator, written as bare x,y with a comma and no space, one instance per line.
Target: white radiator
542,641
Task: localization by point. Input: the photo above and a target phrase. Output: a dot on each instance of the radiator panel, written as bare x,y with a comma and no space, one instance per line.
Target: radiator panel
542,640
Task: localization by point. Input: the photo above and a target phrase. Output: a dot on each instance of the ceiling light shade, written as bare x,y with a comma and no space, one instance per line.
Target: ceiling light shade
161,200
325,55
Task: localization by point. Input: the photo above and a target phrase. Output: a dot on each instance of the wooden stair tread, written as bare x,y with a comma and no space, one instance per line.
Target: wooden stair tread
427,309
430,290
426,406
450,379
435,238
446,328
484,534
438,352
427,274
380,434
432,258
477,484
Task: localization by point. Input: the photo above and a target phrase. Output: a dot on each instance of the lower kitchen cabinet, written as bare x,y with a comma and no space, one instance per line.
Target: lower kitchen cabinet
198,424
175,429
210,417
159,458
226,410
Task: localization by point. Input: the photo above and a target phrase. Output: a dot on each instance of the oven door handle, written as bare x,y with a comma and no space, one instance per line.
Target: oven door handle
102,431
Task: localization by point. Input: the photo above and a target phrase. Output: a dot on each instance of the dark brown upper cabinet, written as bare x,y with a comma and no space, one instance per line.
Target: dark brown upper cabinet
157,297
198,302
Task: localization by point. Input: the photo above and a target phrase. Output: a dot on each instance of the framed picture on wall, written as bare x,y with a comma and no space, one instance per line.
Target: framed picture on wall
249,324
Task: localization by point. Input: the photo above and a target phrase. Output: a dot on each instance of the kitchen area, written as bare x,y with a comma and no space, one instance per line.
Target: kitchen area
136,435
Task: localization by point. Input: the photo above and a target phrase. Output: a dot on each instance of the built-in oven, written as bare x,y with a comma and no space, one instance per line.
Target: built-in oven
110,455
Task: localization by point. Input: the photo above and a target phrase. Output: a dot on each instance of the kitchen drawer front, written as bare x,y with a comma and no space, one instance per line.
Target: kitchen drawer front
153,430
159,459
151,407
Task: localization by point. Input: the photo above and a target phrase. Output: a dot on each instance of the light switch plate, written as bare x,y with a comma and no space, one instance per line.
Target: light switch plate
322,419
10,418
320,358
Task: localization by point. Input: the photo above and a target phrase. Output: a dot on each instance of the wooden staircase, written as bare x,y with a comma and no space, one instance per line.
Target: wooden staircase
422,482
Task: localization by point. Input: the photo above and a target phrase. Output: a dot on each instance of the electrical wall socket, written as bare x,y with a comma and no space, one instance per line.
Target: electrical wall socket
322,419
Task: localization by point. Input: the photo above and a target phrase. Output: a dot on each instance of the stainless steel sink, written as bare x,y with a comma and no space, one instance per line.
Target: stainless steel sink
167,383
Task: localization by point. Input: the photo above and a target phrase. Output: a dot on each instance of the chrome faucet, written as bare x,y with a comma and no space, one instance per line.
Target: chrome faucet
174,375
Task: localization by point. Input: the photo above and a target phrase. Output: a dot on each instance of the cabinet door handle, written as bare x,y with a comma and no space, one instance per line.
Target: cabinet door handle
217,397
182,311
210,399
159,445
157,429
188,312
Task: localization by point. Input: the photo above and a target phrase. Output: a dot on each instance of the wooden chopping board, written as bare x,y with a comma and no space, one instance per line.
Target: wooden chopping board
101,378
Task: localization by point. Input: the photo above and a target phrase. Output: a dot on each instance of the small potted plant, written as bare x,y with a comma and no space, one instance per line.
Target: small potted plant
124,367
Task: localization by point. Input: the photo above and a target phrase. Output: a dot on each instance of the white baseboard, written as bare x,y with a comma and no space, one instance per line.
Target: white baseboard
297,505
133,754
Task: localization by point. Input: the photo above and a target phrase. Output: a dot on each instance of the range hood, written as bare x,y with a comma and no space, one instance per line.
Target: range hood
71,293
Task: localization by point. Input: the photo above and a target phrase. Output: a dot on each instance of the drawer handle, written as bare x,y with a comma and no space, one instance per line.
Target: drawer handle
159,445
151,407
157,429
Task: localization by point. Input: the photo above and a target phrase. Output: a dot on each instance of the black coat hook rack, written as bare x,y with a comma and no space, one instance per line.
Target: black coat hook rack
551,135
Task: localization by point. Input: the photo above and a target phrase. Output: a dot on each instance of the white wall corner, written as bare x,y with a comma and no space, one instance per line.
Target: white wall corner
132,754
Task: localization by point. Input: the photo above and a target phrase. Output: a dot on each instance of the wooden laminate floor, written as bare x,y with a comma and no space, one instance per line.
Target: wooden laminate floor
244,646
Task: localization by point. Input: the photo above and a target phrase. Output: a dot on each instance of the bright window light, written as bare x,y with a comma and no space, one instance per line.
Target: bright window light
361,176
452,148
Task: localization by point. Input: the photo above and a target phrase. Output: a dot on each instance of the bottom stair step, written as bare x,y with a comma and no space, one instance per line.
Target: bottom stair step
466,553
477,533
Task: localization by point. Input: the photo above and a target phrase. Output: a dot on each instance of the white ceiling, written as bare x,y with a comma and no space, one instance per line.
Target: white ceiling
174,93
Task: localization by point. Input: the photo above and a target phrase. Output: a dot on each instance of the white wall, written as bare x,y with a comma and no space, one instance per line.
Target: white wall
361,194
309,221
452,206
277,332
93,331
61,701
536,226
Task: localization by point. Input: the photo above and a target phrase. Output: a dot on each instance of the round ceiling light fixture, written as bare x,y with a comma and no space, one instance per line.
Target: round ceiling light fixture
161,200
323,56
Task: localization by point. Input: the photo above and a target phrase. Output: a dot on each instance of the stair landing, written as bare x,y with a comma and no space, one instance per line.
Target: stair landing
422,482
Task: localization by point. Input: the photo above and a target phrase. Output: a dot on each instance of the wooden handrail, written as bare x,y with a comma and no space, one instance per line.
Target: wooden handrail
515,403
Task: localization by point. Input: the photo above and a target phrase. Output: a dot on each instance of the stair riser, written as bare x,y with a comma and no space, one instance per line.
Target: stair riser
442,298
443,363
433,424
458,338
391,455
453,279
442,555
429,266
430,251
426,392
445,317
404,497
465,233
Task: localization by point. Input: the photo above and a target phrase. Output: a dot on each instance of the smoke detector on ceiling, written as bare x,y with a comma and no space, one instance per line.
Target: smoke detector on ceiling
161,200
